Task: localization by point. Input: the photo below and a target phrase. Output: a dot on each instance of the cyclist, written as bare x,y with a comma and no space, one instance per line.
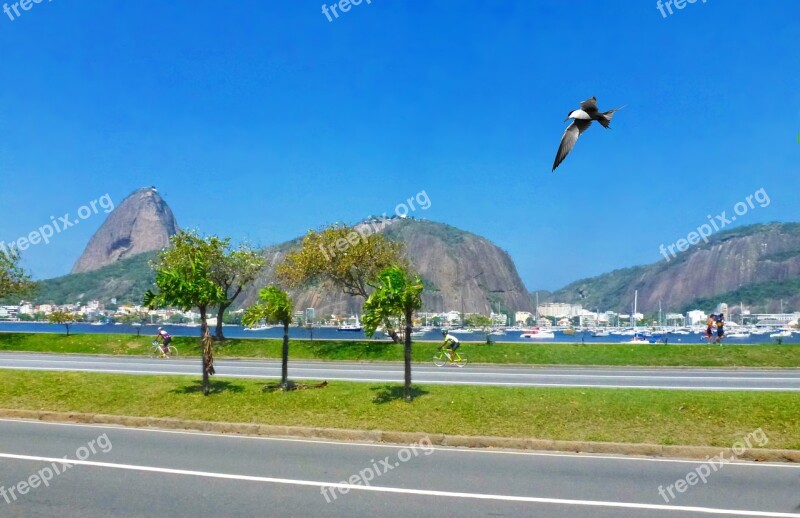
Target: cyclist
450,344
166,339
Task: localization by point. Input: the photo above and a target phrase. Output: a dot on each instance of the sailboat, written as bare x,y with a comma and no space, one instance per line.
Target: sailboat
636,339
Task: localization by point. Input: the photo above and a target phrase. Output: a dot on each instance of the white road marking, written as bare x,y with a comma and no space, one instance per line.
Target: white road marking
397,490
576,456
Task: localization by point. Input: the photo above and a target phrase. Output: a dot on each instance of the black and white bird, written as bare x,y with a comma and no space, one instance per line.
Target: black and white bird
581,119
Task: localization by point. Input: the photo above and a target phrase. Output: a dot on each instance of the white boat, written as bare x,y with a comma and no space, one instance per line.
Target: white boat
782,334
417,334
738,334
536,333
461,331
351,327
262,327
600,333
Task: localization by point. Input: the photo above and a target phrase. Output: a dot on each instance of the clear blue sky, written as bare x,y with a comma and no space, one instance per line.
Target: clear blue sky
260,120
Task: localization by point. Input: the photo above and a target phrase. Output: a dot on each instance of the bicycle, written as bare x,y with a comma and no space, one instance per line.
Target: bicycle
157,352
441,358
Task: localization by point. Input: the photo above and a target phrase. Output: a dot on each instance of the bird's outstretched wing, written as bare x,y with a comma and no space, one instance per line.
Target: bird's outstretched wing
569,138
589,105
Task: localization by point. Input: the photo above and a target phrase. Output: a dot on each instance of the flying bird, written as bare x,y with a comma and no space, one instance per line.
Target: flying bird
581,119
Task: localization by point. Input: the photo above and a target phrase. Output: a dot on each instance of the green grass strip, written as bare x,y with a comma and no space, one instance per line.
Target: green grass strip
665,417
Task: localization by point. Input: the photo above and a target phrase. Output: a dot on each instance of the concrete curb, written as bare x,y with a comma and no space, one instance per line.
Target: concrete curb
379,436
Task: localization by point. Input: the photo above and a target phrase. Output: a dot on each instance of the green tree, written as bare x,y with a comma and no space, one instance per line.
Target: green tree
139,318
233,271
184,279
13,279
484,323
275,307
343,258
232,318
396,295
61,317
177,318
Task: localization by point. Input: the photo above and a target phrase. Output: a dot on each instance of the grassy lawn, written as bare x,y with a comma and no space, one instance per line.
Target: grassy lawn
698,355
637,416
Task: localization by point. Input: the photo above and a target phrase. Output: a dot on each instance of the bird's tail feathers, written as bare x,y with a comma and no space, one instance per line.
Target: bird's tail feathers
605,118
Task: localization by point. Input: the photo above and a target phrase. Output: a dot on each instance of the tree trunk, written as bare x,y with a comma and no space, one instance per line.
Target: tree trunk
220,313
285,357
208,356
391,332
409,322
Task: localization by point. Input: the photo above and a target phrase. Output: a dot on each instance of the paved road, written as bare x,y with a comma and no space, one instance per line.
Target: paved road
612,377
133,472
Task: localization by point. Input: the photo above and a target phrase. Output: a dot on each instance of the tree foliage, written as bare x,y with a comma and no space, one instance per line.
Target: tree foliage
184,279
342,257
275,307
61,317
483,323
396,295
13,279
233,270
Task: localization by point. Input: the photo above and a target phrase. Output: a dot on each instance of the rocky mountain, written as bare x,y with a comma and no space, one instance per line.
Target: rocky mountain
142,223
757,265
460,270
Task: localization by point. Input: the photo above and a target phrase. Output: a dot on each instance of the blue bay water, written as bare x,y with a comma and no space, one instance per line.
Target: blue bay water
328,333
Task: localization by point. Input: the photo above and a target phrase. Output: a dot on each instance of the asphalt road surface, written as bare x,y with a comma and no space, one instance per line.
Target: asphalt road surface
126,472
611,377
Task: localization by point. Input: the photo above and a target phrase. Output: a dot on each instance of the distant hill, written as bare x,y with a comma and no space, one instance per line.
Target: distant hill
459,269
142,223
757,265
126,280
456,266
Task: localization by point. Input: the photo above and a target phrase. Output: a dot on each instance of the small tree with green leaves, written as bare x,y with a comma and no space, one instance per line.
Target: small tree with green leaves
13,279
184,280
61,317
275,307
483,323
343,257
233,271
137,318
396,295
